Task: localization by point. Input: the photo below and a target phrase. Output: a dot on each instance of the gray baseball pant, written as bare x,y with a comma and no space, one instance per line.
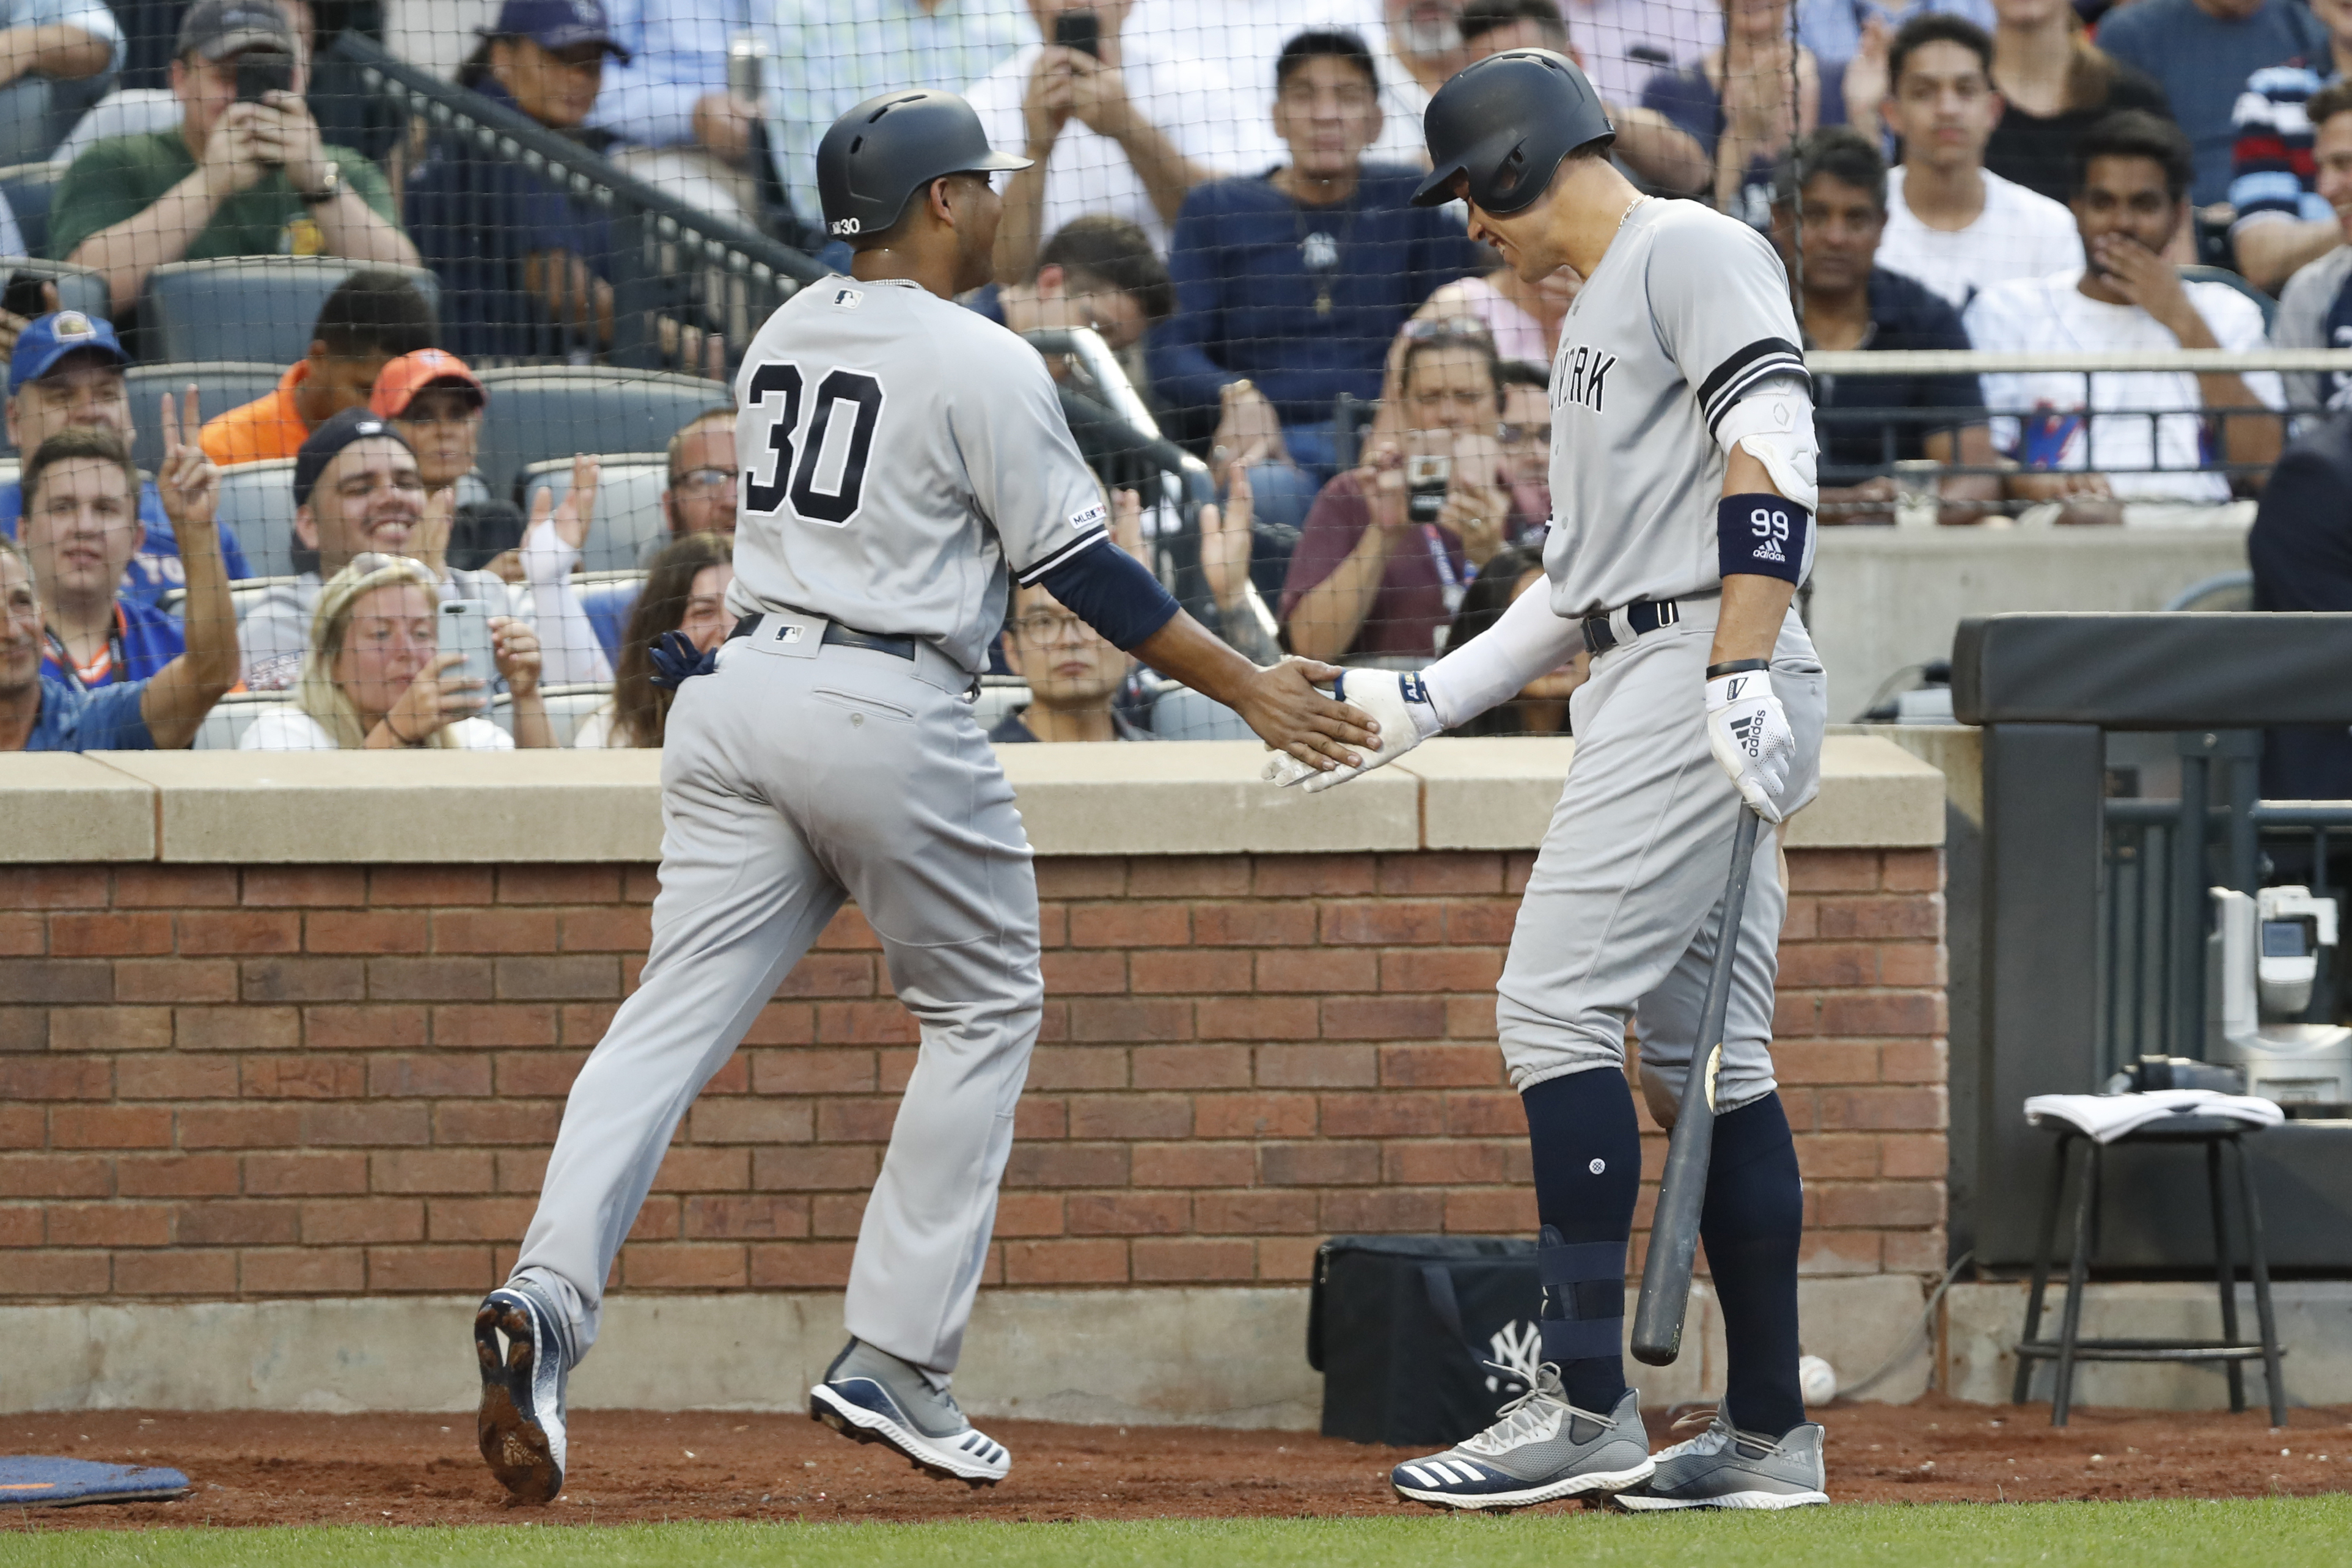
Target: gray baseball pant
1620,913
794,775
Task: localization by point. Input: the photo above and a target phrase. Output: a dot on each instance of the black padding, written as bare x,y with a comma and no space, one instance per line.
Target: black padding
2153,672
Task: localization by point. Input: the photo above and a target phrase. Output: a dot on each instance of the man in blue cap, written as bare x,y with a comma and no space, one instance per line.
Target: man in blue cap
67,373
524,265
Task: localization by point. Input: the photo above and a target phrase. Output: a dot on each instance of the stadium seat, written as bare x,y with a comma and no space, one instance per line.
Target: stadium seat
221,385
628,506
996,701
2224,591
568,708
257,501
29,187
126,111
2230,279
1180,713
536,414
247,307
608,597
233,715
247,593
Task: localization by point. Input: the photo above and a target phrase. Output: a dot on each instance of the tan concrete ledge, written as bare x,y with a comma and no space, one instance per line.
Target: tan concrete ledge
1178,1355
1200,797
56,806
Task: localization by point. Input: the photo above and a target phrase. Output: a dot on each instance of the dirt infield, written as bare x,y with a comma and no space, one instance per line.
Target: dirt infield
259,1468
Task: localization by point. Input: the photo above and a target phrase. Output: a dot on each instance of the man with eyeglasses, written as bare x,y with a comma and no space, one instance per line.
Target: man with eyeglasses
1073,674
700,496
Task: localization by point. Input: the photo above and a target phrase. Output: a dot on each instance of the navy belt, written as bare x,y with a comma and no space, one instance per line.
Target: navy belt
838,635
1644,615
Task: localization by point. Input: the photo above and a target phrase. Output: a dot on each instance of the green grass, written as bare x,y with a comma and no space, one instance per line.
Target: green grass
2283,1532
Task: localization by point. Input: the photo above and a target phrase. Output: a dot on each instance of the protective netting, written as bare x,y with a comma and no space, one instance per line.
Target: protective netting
462,286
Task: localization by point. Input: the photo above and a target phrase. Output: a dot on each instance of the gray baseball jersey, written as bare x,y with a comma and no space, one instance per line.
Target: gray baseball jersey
899,453
901,458
1687,314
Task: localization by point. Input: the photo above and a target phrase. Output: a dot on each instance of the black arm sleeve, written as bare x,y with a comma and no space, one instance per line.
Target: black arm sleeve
1112,592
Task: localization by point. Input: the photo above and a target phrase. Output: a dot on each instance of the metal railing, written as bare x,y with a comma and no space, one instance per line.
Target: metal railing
2162,859
673,265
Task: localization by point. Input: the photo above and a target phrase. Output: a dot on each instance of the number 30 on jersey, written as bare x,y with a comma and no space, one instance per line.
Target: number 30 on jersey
827,481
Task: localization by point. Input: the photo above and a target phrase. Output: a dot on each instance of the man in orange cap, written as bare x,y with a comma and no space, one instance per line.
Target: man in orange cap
436,403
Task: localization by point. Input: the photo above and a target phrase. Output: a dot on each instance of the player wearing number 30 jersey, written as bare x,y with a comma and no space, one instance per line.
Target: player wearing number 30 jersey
1682,482
903,460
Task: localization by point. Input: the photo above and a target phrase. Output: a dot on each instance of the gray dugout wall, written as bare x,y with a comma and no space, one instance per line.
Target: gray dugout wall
2045,689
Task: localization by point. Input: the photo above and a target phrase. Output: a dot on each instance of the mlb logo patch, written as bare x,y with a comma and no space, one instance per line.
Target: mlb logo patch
789,632
1089,518
847,299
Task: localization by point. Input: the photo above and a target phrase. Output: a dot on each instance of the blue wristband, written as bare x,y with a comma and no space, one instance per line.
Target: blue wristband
1763,535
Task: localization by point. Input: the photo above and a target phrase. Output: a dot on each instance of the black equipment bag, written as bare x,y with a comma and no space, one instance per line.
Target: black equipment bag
1403,1329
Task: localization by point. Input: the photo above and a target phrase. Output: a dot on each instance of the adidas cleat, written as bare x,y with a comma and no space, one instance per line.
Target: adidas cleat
875,1397
1539,1450
521,1426
1726,1467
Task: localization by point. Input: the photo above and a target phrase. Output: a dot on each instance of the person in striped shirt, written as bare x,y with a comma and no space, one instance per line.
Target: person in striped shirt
2282,222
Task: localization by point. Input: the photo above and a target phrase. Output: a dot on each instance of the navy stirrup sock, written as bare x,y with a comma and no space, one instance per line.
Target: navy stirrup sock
1588,1173
1753,1217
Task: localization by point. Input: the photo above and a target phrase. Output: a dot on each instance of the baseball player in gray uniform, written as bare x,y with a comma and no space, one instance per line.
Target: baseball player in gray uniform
904,458
1683,482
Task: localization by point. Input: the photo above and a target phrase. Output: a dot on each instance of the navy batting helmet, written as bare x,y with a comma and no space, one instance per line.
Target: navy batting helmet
1504,124
889,147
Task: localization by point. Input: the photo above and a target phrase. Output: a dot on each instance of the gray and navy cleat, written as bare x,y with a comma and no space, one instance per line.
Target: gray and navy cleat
875,1397
1540,1448
1726,1467
521,1422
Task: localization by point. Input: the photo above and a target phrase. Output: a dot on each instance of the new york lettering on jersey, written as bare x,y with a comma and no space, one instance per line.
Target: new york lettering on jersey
1579,377
1687,313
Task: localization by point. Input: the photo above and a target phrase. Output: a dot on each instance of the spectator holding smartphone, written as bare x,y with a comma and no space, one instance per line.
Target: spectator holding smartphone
374,678
245,174
358,489
1111,122
686,591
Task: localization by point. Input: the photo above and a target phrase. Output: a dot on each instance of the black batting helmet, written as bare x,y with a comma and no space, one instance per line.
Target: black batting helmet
1506,124
889,147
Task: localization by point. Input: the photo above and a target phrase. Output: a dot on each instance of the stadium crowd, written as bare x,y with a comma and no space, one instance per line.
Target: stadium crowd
1218,193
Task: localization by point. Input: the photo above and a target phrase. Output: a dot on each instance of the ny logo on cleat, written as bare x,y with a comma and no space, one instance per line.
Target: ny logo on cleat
1519,1350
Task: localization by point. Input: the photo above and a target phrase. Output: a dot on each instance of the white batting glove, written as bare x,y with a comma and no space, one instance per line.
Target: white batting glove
1397,702
1748,730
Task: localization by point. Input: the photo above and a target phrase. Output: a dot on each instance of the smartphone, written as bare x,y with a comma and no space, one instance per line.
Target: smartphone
1425,479
263,70
1080,30
466,629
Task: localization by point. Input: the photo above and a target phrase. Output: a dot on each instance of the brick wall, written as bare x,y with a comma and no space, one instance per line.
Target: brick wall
326,1080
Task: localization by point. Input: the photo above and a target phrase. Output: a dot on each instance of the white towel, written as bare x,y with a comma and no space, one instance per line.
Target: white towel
2107,1117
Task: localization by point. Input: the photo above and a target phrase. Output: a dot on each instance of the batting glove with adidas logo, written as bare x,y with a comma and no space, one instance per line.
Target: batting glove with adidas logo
1748,730
1397,702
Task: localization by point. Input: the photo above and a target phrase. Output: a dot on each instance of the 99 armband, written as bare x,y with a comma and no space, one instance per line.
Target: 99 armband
1763,535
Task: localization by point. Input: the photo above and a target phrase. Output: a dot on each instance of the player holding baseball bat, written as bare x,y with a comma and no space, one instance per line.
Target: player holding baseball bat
1682,477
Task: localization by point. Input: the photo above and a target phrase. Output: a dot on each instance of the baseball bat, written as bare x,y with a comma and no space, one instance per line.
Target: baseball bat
1682,1190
